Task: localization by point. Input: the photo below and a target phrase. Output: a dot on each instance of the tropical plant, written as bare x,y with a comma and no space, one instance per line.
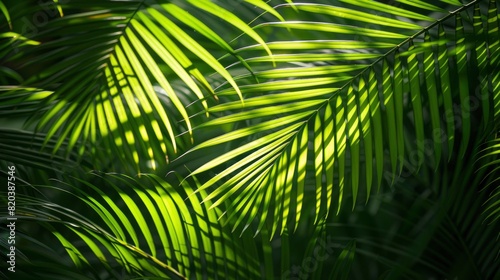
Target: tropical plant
223,139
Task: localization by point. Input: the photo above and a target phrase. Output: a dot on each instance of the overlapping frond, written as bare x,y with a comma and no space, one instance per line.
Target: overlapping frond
5,13
145,227
491,164
111,67
26,148
16,101
10,41
339,114
44,262
319,104
436,223
115,226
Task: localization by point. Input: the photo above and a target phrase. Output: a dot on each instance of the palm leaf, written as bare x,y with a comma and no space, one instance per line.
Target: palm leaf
427,228
490,164
11,41
44,261
401,79
320,104
27,149
5,13
108,65
143,228
185,240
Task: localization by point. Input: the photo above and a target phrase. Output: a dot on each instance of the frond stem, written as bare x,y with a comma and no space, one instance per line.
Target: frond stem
407,40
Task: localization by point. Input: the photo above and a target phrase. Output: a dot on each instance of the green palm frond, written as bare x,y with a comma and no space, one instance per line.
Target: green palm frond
167,236
110,64
20,101
375,97
144,228
27,149
490,156
297,110
323,258
44,261
436,224
9,42
5,13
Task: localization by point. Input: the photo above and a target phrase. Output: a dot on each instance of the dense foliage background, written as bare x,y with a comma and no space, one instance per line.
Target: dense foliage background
251,139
